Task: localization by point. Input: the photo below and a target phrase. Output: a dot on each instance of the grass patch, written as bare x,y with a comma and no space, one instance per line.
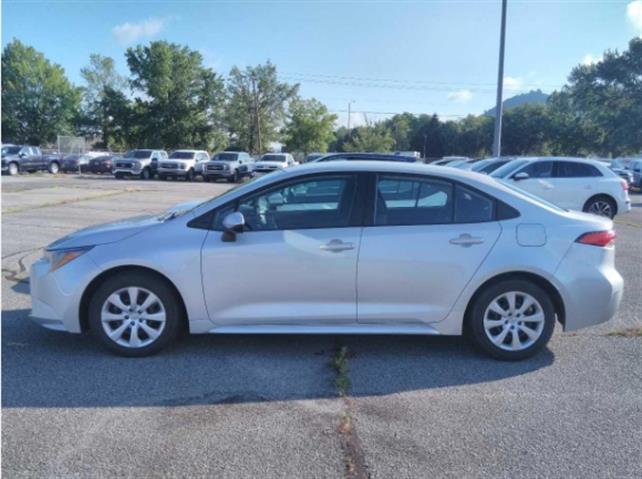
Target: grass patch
627,333
339,364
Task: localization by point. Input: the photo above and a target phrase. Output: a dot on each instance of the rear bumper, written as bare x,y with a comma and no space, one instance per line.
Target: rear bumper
590,285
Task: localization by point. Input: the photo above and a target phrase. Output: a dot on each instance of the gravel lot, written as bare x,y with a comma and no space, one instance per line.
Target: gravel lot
267,406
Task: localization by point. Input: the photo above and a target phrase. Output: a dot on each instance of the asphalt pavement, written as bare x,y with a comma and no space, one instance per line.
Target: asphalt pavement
268,406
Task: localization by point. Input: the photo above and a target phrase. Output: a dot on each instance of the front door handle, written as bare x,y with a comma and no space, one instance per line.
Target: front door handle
466,240
336,245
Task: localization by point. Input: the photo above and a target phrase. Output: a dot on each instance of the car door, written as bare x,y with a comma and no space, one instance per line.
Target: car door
540,180
296,261
575,182
426,239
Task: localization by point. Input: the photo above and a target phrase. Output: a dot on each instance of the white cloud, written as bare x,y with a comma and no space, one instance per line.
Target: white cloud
129,32
512,83
634,14
590,60
460,96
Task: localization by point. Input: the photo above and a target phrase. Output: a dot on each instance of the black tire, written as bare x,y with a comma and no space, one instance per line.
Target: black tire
601,205
162,177
206,179
152,283
13,169
54,168
145,174
235,178
119,176
189,176
474,327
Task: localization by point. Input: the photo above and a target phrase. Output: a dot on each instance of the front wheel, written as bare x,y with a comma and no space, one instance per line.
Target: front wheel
146,174
235,178
54,168
511,320
13,169
135,314
189,176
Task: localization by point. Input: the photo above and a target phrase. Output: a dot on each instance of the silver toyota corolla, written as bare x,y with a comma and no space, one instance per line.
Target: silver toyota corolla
338,247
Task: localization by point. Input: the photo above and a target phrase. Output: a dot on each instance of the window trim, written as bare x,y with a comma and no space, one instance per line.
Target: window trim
206,220
370,209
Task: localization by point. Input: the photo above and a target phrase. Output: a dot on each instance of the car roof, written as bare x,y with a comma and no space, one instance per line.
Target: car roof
373,156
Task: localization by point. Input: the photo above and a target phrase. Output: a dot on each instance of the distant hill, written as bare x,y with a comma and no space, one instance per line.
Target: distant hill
532,97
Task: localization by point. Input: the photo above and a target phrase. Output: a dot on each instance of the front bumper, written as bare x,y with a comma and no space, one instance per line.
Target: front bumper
127,171
55,296
172,172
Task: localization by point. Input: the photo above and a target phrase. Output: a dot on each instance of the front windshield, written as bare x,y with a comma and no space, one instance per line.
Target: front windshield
480,165
508,168
492,166
182,155
226,157
138,154
10,150
279,158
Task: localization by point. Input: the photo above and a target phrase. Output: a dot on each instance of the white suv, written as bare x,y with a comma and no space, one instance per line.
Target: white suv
142,163
183,163
572,183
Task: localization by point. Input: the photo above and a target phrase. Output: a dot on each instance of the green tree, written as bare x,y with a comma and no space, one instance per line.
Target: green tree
310,126
100,76
401,127
526,130
371,138
257,106
181,100
38,102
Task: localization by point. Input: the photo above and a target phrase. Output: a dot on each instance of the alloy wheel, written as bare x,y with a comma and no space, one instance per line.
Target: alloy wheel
514,321
133,317
13,169
601,208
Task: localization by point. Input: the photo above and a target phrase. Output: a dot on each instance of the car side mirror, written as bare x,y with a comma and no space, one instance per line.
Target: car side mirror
522,175
233,224
22,154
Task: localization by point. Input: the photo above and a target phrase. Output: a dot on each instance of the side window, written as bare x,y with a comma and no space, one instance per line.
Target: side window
571,169
409,201
322,202
472,207
538,169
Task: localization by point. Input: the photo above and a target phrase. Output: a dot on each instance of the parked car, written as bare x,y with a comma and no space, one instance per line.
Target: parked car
465,164
488,165
187,164
618,168
230,165
364,247
354,156
635,167
101,164
573,183
26,158
75,162
450,160
313,156
141,163
274,161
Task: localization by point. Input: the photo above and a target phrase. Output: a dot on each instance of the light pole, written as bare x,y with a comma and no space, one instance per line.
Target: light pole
349,113
497,138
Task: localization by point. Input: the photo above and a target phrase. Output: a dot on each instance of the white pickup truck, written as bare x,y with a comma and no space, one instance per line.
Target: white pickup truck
230,165
275,161
185,164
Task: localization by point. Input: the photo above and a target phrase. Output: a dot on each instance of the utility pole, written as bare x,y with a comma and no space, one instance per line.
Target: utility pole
497,138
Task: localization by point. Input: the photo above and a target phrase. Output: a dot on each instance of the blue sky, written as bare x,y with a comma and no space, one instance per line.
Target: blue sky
418,56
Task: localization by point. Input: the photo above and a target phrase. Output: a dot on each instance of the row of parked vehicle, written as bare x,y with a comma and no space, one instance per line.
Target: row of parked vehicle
595,186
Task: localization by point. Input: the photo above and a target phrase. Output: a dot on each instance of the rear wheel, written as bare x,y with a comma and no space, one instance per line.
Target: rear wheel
13,168
512,320
601,206
135,314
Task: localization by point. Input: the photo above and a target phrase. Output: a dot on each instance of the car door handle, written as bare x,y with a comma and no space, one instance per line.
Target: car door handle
336,245
466,240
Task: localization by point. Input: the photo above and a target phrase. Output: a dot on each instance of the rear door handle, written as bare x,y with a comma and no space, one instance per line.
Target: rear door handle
336,245
466,240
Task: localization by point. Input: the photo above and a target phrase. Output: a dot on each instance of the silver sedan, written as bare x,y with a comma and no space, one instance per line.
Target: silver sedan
338,247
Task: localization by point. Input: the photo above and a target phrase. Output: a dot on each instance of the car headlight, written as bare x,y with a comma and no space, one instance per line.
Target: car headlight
58,258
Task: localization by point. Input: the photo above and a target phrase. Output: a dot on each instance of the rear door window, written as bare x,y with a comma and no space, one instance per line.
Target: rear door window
572,169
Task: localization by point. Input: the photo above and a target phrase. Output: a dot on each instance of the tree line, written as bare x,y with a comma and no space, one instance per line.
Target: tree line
170,100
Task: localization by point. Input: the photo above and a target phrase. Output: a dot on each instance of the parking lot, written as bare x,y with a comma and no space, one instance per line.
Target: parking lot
269,406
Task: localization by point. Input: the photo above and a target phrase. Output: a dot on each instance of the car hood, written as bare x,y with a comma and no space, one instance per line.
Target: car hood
10,157
270,163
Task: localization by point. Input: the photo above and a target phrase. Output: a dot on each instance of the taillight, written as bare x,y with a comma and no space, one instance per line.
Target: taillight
625,185
598,238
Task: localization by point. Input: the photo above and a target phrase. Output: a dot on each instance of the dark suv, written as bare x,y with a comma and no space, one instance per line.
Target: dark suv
18,158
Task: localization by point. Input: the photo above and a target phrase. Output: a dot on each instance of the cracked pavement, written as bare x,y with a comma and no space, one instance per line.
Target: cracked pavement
267,406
